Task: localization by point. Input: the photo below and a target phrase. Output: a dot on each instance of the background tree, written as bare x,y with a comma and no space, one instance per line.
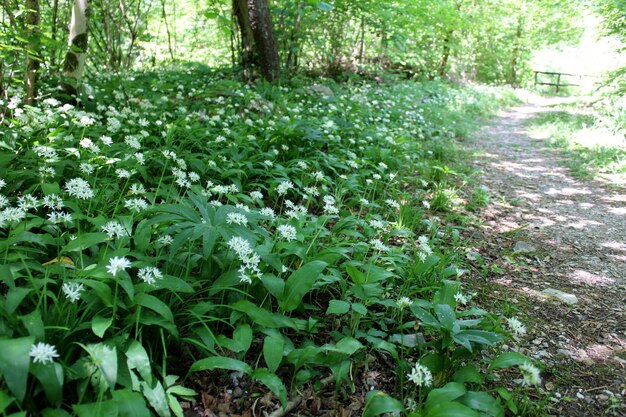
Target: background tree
74,63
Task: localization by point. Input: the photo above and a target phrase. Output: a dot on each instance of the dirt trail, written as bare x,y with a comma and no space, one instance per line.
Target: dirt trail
571,237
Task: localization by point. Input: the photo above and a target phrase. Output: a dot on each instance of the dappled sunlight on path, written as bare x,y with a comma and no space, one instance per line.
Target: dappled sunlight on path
578,233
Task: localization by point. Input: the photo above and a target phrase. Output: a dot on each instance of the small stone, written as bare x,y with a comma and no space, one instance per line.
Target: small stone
523,247
580,395
567,298
603,397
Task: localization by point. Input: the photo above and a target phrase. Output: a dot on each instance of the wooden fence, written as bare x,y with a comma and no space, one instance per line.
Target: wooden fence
557,77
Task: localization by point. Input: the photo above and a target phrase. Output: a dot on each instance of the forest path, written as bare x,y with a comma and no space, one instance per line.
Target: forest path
551,233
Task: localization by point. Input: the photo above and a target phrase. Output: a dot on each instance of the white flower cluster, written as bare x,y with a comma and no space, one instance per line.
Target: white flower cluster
287,232
149,274
420,376
79,188
329,205
423,248
249,258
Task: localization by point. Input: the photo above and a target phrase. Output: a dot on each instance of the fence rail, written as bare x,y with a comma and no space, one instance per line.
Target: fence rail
557,83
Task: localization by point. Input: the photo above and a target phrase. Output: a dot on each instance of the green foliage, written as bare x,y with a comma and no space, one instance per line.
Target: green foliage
182,228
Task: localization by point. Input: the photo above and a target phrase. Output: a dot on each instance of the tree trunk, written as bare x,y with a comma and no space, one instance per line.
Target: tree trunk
517,47
264,38
55,15
167,30
33,58
443,65
247,60
75,58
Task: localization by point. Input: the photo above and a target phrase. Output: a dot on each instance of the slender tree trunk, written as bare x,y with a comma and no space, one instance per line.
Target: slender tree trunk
445,56
292,54
362,41
264,38
517,47
167,30
247,58
55,15
75,58
33,58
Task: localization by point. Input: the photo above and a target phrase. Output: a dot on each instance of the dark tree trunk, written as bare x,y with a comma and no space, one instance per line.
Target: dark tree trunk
517,47
247,58
445,56
33,58
264,38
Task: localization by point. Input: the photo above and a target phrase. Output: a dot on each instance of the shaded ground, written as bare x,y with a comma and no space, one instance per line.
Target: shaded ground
577,236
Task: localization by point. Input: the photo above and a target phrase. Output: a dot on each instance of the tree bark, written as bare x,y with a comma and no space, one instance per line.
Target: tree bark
264,38
75,58
33,58
247,58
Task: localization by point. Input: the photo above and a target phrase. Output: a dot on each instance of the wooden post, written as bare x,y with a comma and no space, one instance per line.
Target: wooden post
558,82
536,74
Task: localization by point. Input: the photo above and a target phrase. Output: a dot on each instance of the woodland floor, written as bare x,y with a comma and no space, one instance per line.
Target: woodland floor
577,236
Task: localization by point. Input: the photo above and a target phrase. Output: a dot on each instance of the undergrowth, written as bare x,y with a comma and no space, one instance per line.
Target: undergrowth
183,226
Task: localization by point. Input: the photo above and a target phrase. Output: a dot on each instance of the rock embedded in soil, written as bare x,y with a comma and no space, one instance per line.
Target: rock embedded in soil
567,298
522,247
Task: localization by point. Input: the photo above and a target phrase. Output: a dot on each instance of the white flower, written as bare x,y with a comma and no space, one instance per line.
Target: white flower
516,326
72,290
117,264
236,218
256,195
122,173
379,246
79,188
137,189
136,204
57,217
420,376
3,201
165,240
530,374
393,203
250,260
287,232
268,212
283,187
2,183
86,168
461,299
27,202
114,229
43,353
377,224
403,302
149,274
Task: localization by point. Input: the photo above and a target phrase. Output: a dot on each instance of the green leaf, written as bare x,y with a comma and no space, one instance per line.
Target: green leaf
99,325
451,409
142,236
15,296
357,276
220,362
5,400
507,360
425,317
273,348
359,308
449,392
157,398
273,284
106,358
299,283
468,373
243,337
273,382
445,295
130,404
322,5
338,307
482,337
51,378
85,241
377,403
347,346
446,316
100,409
156,305
137,358
262,316
14,364
484,402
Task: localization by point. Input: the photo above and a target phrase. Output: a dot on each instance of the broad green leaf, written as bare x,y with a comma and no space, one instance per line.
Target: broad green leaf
481,337
322,5
449,392
14,364
299,283
130,404
468,373
273,352
357,276
446,316
5,400
482,401
220,362
157,398
243,337
273,382
359,309
15,296
34,324
137,358
106,358
85,241
451,409
507,360
273,284
154,304
99,325
142,236
338,307
347,345
425,317
100,409
377,403
51,378
262,316
445,295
